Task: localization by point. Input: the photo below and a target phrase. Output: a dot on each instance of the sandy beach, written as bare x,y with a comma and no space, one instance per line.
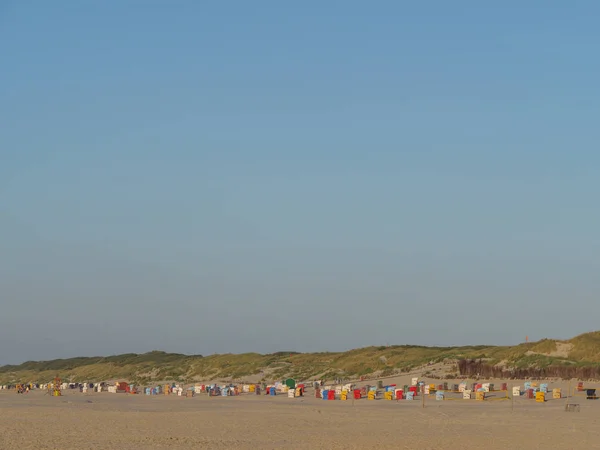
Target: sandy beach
77,421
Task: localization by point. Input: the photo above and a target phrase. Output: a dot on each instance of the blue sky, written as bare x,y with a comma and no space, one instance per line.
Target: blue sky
260,176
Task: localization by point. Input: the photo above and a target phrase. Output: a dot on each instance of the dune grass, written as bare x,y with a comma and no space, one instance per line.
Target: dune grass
369,361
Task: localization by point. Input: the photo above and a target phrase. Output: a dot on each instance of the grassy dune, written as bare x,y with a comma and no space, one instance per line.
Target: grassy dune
582,351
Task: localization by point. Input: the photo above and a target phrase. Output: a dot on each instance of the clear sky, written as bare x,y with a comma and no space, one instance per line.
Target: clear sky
231,176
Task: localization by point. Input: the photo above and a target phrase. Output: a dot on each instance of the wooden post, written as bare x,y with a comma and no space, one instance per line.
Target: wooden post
423,396
512,399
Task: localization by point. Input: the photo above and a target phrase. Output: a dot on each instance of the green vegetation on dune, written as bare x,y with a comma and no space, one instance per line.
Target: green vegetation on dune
586,347
581,351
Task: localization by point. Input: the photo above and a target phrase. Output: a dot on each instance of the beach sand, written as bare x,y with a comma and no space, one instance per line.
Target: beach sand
119,421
